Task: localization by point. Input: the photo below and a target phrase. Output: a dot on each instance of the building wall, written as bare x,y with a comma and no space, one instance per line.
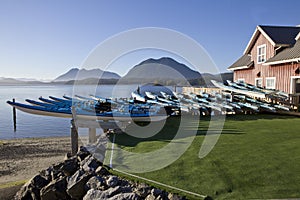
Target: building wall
282,72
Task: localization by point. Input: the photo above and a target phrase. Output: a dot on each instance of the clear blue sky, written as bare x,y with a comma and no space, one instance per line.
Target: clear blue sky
43,39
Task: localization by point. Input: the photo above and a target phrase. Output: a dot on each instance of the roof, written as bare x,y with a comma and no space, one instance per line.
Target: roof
282,34
287,55
277,35
242,63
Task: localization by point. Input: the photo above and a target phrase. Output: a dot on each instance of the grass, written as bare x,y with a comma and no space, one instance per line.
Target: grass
256,156
12,184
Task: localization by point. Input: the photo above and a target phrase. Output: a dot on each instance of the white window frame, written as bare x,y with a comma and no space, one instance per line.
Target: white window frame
261,81
271,78
241,80
292,83
260,55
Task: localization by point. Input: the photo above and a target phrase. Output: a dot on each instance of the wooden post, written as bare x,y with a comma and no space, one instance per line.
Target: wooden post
74,133
14,117
92,135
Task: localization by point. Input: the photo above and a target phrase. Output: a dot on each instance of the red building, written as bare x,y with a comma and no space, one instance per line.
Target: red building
271,59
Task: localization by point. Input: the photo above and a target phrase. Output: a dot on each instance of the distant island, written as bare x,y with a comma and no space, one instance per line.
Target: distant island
165,71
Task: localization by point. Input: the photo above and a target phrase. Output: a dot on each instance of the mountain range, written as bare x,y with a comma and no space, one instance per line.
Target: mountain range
165,70
81,74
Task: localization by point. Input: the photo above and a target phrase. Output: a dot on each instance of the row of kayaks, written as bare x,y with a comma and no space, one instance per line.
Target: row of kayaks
90,108
155,106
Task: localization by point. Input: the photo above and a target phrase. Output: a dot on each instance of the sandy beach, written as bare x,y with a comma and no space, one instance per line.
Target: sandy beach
20,159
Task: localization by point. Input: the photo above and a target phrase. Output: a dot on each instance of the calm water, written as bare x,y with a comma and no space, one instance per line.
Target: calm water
42,126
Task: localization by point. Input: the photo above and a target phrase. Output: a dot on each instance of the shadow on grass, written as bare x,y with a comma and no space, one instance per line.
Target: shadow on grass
170,130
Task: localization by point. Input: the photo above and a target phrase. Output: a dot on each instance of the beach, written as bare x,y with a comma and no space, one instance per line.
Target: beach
21,159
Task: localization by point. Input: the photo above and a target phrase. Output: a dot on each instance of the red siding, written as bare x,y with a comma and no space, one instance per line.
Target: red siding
282,72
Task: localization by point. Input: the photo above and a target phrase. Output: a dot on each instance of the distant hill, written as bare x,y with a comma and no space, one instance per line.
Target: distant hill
81,74
159,70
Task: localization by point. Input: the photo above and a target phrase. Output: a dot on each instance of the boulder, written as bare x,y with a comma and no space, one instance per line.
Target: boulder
174,197
55,190
156,192
90,164
125,196
112,181
92,194
150,197
82,153
70,166
95,182
76,184
143,190
102,171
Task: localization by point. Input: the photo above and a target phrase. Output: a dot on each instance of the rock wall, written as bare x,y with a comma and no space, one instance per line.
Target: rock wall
84,177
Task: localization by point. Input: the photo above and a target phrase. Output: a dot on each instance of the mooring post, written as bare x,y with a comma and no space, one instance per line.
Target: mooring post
92,135
14,117
74,132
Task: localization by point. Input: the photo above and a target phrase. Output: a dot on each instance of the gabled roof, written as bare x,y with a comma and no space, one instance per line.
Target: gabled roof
276,35
291,54
243,62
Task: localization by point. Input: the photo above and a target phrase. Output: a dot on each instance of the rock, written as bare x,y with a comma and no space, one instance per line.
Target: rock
76,183
112,181
82,153
39,182
92,194
98,194
143,190
125,196
24,193
102,171
156,192
174,197
90,164
67,156
70,166
150,197
110,192
55,190
95,182
56,171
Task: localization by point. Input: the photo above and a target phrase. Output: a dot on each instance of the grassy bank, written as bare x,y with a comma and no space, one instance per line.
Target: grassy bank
257,156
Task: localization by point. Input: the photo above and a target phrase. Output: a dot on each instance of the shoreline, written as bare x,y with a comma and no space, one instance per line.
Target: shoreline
22,158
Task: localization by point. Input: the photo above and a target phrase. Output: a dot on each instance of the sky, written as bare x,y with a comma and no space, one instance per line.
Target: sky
44,39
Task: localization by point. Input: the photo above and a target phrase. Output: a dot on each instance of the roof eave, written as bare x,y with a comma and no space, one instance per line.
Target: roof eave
237,68
254,36
282,61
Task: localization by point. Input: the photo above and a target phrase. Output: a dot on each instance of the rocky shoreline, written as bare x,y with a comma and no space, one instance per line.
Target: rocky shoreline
84,177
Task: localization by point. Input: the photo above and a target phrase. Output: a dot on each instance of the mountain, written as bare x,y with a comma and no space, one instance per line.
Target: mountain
160,70
81,74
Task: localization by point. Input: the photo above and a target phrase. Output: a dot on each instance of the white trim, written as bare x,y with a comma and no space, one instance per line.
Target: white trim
298,36
265,53
266,36
292,85
237,68
258,79
271,78
282,61
241,80
255,34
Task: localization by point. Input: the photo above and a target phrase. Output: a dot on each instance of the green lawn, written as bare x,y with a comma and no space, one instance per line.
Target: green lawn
256,156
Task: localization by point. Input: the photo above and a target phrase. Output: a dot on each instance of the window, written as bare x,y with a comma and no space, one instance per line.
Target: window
261,53
270,82
258,82
241,80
